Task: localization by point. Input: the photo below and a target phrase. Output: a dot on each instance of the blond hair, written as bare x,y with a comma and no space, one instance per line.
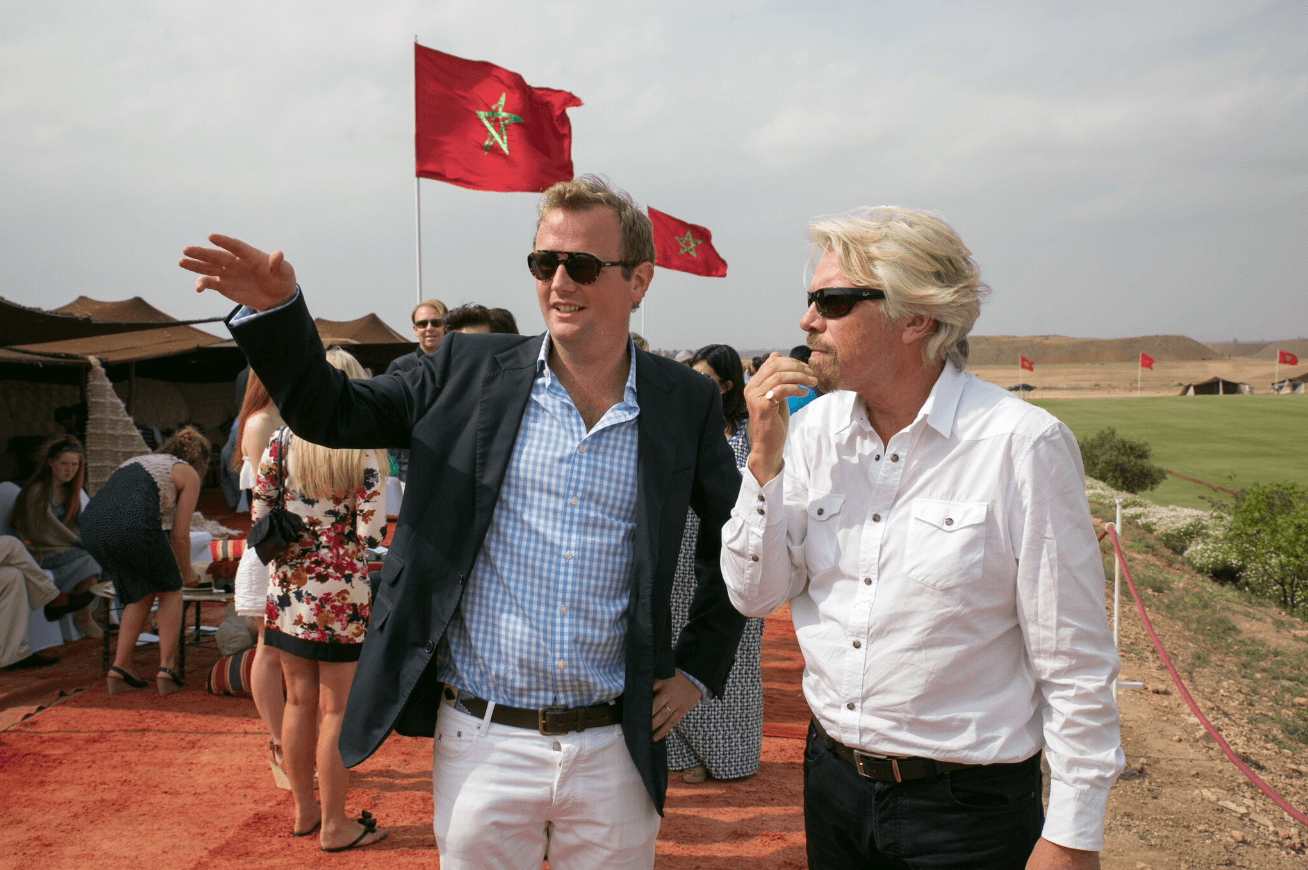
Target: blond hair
321,472
921,264
589,191
434,304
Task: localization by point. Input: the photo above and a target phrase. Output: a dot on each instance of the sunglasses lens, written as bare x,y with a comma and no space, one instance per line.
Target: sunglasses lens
582,267
838,306
542,264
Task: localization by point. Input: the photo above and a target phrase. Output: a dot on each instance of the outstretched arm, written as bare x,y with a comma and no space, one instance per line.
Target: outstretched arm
242,273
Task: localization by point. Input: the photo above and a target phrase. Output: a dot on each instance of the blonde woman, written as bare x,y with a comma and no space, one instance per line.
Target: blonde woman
256,422
317,612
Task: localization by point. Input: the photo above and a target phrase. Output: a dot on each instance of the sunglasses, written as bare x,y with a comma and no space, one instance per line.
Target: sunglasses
582,268
423,324
839,301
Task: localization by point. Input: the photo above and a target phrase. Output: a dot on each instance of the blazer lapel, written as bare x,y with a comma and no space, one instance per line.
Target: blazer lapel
654,455
501,404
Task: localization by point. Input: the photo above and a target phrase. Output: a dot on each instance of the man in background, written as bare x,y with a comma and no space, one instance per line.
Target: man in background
429,328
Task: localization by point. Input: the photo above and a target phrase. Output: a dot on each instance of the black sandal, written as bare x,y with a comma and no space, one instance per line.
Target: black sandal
124,682
369,827
169,681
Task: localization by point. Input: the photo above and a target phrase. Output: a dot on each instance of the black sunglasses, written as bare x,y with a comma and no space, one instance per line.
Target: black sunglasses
423,324
582,267
839,301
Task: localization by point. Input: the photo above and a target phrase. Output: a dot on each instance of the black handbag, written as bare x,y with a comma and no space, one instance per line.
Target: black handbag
279,528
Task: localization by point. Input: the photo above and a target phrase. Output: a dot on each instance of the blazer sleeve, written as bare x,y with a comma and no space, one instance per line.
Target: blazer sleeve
706,648
321,404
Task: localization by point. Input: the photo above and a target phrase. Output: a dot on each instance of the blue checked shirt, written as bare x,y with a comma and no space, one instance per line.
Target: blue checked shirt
543,619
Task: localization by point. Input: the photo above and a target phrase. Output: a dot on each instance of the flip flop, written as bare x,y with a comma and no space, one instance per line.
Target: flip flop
369,827
310,831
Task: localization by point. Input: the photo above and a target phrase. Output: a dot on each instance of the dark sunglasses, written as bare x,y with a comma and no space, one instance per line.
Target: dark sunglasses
581,267
839,301
423,324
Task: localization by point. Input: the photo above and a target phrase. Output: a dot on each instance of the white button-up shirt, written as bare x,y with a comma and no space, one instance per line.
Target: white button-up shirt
946,588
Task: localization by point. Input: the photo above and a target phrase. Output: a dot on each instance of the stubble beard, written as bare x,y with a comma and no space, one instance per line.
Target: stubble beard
826,368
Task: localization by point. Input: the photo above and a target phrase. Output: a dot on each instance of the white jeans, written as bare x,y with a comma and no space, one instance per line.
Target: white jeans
505,797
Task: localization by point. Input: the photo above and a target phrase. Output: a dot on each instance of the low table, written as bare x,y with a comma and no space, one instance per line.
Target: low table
190,596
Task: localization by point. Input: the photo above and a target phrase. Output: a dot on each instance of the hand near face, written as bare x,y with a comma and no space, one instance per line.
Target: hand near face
242,273
779,378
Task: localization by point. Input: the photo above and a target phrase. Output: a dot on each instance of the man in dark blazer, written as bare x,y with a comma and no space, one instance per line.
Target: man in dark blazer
461,414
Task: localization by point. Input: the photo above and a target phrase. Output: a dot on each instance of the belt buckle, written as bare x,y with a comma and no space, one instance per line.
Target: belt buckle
860,757
542,719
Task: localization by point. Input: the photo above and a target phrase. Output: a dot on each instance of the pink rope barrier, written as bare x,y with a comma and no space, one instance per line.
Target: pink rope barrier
1194,708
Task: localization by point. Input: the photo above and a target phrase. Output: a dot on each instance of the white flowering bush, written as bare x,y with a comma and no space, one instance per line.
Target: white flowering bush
1177,528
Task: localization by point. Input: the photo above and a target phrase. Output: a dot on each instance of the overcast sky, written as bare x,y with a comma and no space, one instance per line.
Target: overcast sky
1117,169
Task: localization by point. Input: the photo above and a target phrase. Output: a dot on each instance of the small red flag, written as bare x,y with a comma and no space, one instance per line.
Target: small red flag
1028,365
481,126
1146,361
685,247
1285,358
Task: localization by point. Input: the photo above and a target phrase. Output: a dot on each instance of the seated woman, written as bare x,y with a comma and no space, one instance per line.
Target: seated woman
138,527
47,516
318,604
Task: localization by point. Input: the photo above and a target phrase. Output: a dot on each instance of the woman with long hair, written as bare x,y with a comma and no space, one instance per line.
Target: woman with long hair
138,527
720,737
317,610
257,420
47,516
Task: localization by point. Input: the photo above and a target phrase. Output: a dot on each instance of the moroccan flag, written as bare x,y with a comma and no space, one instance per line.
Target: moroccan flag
1027,364
480,126
685,247
1146,361
1285,358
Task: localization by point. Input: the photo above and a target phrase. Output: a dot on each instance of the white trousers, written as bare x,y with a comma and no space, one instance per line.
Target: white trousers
508,797
23,587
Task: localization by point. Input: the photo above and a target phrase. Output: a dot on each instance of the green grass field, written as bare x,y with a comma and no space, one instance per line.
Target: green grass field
1228,441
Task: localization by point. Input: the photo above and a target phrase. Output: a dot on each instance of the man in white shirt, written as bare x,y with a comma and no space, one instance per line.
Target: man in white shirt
932,536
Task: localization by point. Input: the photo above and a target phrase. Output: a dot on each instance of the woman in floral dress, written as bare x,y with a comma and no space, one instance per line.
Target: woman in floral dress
317,612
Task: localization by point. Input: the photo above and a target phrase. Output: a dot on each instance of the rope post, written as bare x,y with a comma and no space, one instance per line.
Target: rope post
1117,590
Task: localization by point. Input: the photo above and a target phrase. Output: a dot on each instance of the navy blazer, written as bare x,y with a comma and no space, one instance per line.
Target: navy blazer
458,414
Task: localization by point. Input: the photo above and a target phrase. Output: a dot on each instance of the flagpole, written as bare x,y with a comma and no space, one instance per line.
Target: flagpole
1139,371
417,220
1276,373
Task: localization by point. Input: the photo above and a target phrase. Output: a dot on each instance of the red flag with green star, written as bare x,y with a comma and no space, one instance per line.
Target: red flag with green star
685,247
481,126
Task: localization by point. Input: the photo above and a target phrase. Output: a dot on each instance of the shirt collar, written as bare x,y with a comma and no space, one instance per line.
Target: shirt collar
543,369
938,411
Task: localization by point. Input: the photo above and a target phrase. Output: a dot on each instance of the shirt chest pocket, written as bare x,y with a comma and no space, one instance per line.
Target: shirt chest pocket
946,542
821,549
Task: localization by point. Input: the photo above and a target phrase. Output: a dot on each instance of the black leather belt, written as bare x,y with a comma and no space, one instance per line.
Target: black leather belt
889,768
546,720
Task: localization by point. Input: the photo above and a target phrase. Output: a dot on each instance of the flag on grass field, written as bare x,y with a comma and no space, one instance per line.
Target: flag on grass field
1027,364
1285,358
481,126
685,247
1146,361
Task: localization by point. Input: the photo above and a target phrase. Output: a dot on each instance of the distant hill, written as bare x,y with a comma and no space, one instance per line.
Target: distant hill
994,350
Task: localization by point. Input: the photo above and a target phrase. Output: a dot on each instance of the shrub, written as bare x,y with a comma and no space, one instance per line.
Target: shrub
1179,539
1120,462
1268,541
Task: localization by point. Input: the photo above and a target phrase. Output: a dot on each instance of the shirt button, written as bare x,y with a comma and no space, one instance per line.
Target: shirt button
568,554
562,665
867,581
581,449
949,521
753,558
857,644
876,518
820,512
761,512
877,458
894,457
849,706
564,610
430,647
574,500
761,498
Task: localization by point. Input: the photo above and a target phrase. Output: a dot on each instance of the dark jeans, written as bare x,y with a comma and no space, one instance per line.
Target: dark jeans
983,818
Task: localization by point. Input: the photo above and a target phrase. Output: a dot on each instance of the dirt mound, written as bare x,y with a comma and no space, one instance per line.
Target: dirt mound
991,350
1296,346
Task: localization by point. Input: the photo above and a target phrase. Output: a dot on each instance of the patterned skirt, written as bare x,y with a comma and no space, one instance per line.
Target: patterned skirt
120,528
